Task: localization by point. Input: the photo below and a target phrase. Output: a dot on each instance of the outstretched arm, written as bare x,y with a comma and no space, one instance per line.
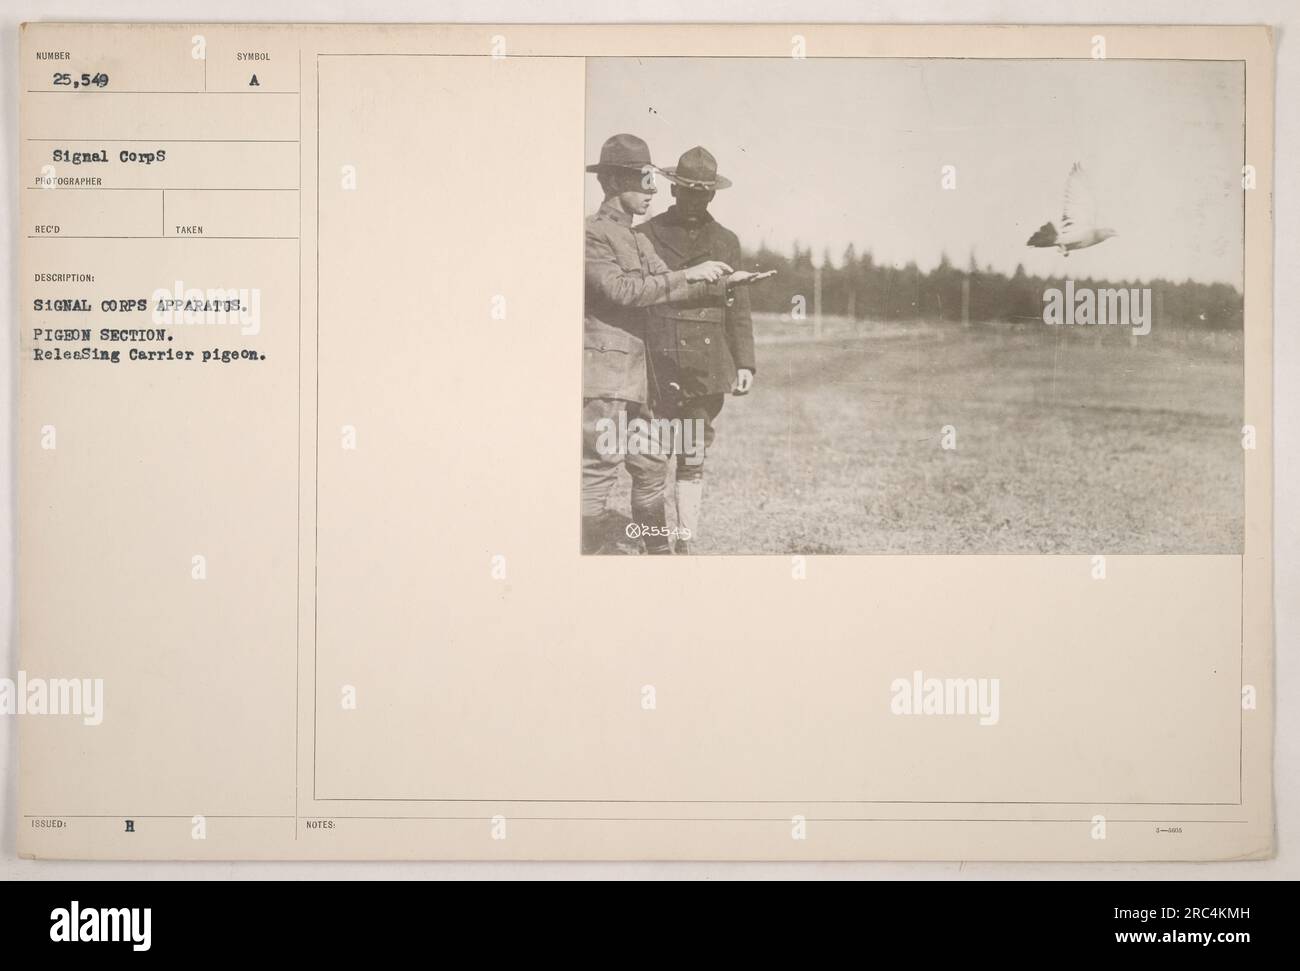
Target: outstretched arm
606,276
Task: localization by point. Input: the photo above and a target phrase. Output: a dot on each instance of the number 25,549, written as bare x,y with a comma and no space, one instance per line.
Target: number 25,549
99,80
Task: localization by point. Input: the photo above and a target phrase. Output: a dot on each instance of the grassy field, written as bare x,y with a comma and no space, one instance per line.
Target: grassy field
1068,440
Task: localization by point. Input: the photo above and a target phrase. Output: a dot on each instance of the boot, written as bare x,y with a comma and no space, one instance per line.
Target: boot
655,525
690,496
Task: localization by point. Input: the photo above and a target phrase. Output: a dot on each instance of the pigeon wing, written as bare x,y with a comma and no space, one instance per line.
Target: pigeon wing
1080,211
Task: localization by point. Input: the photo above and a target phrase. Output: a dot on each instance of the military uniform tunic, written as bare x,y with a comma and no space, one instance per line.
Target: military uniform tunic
624,275
697,346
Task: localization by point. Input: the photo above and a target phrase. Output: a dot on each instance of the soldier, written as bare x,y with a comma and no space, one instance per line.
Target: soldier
623,277
700,350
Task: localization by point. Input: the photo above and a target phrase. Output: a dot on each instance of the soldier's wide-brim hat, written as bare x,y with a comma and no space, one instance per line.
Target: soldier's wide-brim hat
697,169
623,153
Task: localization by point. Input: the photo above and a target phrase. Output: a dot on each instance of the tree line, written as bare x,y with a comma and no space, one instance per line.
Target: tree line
862,289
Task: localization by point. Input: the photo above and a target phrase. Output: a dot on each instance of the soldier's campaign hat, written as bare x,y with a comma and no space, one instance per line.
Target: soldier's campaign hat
623,152
697,169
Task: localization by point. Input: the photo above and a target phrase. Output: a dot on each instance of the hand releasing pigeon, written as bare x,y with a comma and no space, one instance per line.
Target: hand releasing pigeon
1078,221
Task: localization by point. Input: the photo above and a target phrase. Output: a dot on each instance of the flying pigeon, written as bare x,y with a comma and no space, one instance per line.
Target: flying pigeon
1078,220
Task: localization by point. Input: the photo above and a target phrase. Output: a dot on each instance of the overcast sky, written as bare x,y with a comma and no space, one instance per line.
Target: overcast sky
829,152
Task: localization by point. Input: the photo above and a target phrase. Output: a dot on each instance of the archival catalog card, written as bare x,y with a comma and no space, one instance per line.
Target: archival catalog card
372,375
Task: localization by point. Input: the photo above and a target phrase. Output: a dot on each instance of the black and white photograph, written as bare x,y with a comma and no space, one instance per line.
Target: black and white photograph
872,306
950,340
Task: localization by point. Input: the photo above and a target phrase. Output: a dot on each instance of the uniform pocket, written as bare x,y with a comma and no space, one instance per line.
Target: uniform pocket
609,339
701,355
609,356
